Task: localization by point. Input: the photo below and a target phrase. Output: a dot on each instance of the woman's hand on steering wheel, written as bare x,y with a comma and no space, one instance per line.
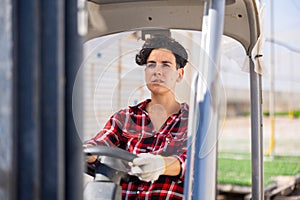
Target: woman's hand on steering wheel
90,158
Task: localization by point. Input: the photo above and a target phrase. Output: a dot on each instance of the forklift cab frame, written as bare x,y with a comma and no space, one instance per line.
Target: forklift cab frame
237,19
42,149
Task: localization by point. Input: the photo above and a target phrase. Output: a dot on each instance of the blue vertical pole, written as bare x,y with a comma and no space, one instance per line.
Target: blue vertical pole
47,54
27,96
52,100
7,165
202,155
73,60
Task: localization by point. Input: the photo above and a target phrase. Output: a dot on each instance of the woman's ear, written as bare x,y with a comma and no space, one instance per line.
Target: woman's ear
180,74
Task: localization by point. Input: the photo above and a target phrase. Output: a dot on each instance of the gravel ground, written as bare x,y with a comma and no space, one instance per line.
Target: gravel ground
235,135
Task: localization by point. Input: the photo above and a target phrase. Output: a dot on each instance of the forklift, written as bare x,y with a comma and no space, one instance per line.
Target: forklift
44,158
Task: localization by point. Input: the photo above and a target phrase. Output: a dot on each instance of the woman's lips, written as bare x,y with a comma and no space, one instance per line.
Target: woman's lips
157,81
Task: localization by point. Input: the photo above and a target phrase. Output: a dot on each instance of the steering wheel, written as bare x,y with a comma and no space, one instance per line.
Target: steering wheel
110,169
113,162
113,152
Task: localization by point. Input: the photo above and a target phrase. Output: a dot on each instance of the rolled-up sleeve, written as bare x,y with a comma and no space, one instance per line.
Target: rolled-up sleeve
182,159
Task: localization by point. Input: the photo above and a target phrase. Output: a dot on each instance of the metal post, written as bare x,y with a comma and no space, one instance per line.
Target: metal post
270,150
256,119
41,85
73,150
52,100
7,182
205,144
256,134
27,95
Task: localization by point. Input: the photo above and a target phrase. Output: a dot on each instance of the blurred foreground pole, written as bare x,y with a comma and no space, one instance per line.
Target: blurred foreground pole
47,54
7,180
73,60
27,99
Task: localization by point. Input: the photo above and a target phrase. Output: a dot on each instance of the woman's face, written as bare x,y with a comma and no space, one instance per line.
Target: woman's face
161,73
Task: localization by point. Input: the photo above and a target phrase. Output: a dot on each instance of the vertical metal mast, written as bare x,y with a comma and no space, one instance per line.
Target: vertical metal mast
256,123
202,162
47,49
256,134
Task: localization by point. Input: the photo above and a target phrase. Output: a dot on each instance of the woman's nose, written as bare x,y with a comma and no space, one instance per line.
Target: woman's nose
158,70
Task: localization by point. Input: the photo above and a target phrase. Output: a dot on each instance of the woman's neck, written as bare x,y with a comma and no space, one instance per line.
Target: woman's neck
169,104
160,109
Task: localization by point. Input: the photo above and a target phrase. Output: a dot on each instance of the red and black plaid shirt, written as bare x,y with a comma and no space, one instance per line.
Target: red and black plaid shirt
131,129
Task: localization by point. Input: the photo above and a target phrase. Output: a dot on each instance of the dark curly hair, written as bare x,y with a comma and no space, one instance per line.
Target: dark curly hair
162,42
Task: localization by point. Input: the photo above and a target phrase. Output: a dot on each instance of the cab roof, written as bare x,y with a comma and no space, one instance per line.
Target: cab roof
241,20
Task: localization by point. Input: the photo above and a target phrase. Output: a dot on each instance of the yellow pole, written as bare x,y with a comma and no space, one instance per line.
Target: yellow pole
291,114
270,150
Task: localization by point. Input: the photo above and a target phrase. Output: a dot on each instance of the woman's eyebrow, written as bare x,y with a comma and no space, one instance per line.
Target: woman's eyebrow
151,61
167,62
164,62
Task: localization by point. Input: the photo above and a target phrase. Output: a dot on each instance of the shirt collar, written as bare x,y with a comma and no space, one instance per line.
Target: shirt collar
184,107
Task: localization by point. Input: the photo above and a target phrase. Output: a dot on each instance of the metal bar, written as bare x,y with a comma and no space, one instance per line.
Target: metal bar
7,181
256,109
52,100
190,189
256,134
73,150
40,100
272,85
27,104
192,128
205,157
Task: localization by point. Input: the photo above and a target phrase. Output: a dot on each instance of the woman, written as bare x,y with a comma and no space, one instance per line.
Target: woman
155,129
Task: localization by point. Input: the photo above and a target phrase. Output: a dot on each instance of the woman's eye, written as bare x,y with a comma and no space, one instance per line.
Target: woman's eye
150,65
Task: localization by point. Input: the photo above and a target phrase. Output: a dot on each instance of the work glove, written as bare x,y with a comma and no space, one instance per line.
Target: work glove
147,167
